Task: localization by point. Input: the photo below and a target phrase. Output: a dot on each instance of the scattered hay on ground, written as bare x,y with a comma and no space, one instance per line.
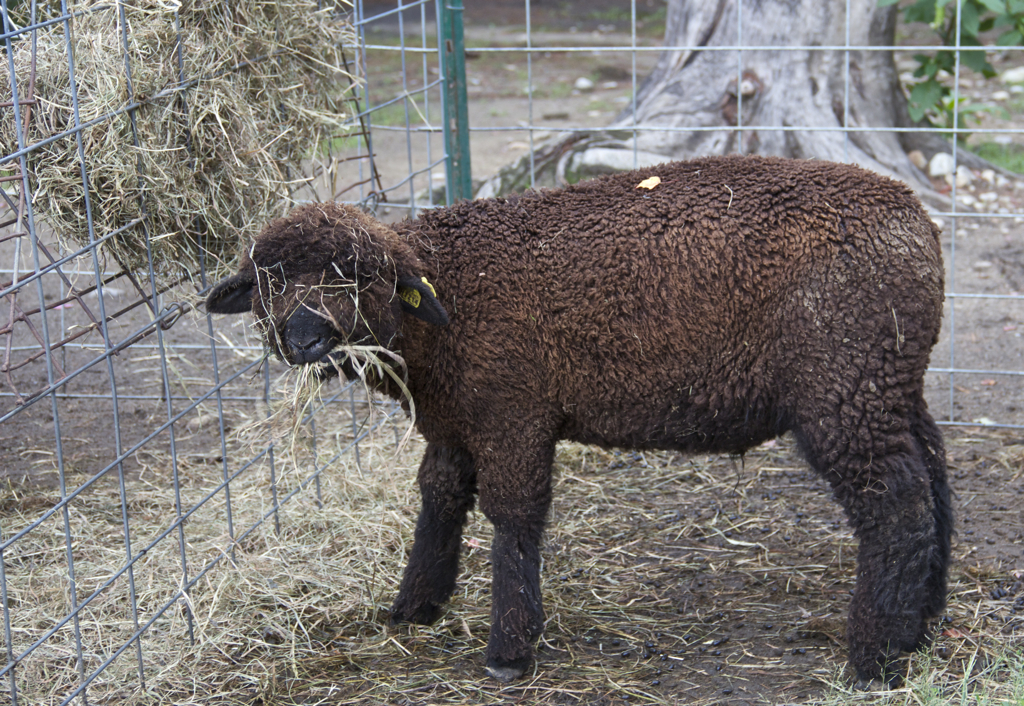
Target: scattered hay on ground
667,579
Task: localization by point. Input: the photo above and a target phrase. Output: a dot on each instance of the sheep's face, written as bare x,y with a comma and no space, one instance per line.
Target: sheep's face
327,281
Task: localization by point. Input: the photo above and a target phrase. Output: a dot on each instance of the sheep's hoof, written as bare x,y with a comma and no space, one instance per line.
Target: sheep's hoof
869,684
424,615
891,678
507,672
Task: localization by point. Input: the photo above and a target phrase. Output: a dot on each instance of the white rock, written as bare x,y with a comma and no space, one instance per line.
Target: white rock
583,84
917,159
608,85
989,196
1015,75
941,164
1016,89
203,420
1001,181
939,223
989,175
1001,96
108,291
968,200
964,177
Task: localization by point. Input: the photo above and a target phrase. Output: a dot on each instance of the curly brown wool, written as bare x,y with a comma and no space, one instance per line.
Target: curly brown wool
738,299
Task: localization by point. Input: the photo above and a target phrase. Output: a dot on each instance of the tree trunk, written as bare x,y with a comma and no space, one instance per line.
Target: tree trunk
812,95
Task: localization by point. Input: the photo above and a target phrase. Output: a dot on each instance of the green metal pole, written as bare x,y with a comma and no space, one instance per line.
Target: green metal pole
455,107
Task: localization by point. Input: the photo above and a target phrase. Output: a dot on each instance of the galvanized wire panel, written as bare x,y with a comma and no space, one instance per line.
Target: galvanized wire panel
125,489
126,486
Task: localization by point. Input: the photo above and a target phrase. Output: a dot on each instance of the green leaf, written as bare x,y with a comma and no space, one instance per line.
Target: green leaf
927,94
920,11
977,108
976,60
940,15
945,60
970,18
996,6
887,3
1016,7
926,66
1009,39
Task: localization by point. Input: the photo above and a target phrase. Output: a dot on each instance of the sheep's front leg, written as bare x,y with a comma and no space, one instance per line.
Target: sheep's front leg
515,495
447,481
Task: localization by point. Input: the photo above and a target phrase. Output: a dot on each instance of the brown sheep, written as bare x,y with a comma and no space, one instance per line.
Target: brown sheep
738,299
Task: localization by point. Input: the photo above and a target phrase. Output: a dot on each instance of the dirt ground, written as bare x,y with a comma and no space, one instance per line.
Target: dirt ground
684,581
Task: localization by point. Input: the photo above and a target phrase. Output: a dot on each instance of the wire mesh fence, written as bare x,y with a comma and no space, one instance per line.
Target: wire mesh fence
126,482
126,485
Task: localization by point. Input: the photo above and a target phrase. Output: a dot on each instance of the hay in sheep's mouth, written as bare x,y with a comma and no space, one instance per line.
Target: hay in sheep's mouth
332,363
373,366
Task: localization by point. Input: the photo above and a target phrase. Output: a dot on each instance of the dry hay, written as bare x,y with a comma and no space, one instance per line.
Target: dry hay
667,580
221,139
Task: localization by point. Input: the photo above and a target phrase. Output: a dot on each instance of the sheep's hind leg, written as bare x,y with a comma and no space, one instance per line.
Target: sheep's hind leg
884,484
447,481
928,436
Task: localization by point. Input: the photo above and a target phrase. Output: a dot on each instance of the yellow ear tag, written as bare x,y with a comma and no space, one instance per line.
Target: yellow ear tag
411,297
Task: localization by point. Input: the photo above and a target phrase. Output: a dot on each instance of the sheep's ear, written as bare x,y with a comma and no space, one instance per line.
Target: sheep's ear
232,295
420,300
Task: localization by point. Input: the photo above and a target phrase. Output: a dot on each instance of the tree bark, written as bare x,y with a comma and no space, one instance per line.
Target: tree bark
812,95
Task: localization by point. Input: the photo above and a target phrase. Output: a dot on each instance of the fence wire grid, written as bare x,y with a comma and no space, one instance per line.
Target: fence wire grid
121,401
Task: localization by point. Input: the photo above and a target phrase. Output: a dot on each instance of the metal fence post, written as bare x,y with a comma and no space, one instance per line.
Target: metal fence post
454,105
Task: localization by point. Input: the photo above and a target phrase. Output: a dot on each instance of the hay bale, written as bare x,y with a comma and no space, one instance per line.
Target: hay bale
218,138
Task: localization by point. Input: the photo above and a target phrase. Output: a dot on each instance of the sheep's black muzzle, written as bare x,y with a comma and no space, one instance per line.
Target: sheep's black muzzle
307,337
